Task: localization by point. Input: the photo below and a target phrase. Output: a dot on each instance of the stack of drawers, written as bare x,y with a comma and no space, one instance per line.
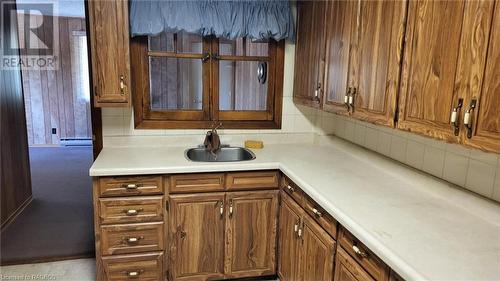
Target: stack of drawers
129,225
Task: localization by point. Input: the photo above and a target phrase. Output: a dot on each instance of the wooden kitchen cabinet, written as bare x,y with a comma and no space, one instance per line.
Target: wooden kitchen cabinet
484,130
427,95
347,269
109,49
364,50
197,236
251,229
309,53
306,250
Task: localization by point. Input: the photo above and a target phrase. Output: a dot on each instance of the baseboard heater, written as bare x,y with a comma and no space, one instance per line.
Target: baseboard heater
76,142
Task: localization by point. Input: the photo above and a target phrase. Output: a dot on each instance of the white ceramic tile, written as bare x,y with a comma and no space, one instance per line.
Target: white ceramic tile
302,124
287,123
371,138
112,126
480,177
398,148
433,161
496,188
458,149
349,131
455,168
384,143
488,158
112,111
360,134
415,154
289,107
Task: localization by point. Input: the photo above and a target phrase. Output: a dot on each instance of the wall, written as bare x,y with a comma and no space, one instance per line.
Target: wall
297,124
15,183
58,98
469,168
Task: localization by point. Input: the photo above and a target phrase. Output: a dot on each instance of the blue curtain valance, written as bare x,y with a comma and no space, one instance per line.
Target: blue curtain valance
258,19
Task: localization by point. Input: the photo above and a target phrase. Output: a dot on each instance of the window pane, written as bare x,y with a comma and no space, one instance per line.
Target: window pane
180,43
239,85
175,84
242,47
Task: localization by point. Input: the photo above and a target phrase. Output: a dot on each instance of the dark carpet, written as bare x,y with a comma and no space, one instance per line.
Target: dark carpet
58,224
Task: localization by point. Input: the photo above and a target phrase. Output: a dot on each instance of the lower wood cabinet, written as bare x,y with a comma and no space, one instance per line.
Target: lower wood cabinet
306,250
347,269
223,235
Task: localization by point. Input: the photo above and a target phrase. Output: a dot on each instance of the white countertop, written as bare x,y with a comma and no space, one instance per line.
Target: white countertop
422,227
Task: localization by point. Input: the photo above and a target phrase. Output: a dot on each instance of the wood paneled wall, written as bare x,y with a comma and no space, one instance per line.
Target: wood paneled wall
57,98
15,184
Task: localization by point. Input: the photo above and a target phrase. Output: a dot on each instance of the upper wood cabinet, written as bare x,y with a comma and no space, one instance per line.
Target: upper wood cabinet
109,49
309,53
306,250
364,50
431,58
251,228
484,126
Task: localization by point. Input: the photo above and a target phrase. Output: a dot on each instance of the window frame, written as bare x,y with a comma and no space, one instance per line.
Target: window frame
210,114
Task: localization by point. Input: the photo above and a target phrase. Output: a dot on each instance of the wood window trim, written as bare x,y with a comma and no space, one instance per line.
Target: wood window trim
269,119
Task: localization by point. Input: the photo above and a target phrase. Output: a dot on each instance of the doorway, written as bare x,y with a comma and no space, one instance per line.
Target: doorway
58,222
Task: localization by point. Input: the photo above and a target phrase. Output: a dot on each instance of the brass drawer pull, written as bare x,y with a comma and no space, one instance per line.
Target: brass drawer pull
221,209
317,213
133,240
291,189
134,273
133,212
231,208
122,85
131,186
359,252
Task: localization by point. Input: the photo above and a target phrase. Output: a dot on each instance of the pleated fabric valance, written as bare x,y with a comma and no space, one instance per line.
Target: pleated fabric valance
258,19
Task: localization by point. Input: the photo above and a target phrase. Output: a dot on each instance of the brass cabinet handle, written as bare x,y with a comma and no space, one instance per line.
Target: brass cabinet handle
316,212
130,186
221,209
346,98
468,118
359,252
454,117
317,92
122,85
351,99
134,273
133,212
230,208
133,240
291,189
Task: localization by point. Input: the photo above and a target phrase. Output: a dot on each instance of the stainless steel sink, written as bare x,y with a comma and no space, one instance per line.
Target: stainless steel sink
225,154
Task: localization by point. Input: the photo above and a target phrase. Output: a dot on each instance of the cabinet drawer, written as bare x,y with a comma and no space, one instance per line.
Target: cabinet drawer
131,209
347,269
369,261
127,186
131,238
320,216
187,183
252,180
292,189
144,267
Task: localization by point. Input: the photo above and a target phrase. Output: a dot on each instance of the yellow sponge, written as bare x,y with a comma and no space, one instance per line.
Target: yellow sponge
254,144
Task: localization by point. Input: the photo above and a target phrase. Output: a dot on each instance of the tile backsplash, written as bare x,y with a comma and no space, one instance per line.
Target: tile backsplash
469,168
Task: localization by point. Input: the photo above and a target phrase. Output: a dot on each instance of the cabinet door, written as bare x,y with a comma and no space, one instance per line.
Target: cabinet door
197,236
341,24
251,227
375,60
110,52
309,52
486,120
288,248
430,61
347,269
317,253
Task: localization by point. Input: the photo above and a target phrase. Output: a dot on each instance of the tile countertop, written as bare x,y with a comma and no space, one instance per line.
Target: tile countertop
422,227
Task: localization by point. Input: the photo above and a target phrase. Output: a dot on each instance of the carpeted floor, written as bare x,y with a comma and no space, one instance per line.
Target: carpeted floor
59,221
